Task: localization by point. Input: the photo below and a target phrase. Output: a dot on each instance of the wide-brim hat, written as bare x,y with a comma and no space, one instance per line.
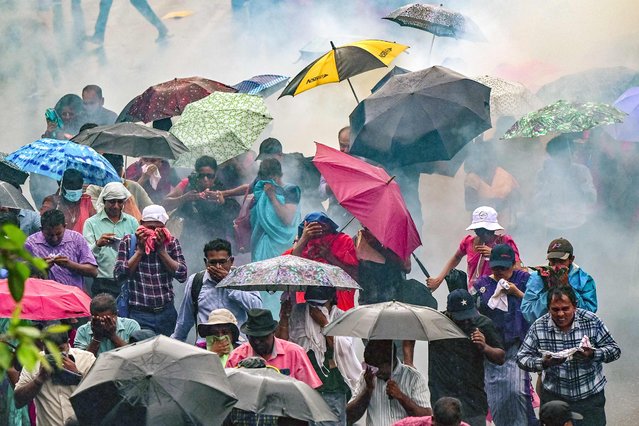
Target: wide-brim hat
259,323
485,217
219,317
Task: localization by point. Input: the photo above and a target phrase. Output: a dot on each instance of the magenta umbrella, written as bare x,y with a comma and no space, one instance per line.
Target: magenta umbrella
372,196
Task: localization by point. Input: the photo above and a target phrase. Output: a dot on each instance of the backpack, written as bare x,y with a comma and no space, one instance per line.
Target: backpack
196,288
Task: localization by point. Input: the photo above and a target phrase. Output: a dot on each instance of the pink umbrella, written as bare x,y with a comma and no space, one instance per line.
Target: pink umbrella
372,196
45,300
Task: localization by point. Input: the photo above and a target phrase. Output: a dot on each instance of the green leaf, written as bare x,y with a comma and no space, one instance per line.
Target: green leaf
23,270
27,355
6,356
39,263
16,286
57,328
53,349
31,332
14,234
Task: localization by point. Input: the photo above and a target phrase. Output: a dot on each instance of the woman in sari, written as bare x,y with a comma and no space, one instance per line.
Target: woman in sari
274,216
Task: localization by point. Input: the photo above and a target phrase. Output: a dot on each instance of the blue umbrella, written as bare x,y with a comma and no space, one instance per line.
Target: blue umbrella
263,85
628,130
51,157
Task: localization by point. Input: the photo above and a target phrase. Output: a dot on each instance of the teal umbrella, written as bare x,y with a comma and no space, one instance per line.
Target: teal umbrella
222,125
564,117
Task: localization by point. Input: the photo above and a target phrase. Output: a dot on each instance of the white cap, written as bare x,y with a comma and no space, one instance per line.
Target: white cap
485,217
154,213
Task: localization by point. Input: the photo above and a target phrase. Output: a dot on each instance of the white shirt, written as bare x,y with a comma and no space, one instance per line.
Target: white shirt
52,402
383,411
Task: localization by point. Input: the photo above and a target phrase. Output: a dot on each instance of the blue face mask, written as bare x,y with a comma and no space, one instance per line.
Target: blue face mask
72,195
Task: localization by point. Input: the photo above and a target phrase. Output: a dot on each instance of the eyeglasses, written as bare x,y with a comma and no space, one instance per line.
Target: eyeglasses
206,175
217,261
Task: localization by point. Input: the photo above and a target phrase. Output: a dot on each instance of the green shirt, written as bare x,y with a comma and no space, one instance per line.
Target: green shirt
332,380
124,328
100,224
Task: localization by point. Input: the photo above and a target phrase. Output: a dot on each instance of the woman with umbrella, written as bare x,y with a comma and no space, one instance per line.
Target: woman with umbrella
477,247
274,214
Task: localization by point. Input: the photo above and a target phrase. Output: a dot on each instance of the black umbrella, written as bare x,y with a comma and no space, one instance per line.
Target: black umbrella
158,381
11,197
9,172
135,140
421,116
395,71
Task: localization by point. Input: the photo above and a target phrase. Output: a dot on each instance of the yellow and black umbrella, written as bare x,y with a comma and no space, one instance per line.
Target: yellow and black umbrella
344,62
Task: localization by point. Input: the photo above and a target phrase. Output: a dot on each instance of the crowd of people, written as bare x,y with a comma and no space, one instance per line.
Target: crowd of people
127,242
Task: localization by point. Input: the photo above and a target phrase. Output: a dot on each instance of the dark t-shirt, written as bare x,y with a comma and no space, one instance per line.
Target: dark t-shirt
456,368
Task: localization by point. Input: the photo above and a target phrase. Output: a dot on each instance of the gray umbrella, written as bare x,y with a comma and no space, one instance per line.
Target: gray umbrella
135,140
394,320
265,391
11,197
158,381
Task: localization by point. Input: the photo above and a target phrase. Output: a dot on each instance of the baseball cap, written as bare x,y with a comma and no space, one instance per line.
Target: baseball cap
485,217
461,305
502,255
269,146
559,248
557,413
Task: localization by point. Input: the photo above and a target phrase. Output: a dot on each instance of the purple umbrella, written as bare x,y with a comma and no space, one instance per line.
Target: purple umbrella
628,130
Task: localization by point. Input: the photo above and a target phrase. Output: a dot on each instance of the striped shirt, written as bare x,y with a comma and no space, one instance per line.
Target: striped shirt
574,380
151,284
383,411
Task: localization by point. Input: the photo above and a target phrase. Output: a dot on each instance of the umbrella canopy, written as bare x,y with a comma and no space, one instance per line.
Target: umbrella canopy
343,62
395,71
51,157
287,273
317,46
508,98
11,197
437,20
169,99
369,194
159,381
266,391
46,300
564,117
263,85
10,173
394,320
420,116
593,85
223,125
132,139
628,130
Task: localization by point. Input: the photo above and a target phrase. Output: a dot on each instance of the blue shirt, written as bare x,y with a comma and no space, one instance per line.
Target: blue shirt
511,326
574,379
124,328
29,221
210,298
535,301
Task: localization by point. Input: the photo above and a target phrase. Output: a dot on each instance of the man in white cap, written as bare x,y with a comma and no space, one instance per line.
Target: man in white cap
477,247
104,231
149,261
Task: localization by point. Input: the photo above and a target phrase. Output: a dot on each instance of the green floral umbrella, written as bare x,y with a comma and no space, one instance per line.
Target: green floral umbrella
564,117
222,125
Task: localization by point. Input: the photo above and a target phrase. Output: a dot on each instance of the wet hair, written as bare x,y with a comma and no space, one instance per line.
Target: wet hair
93,88
559,291
269,168
87,126
9,217
376,349
70,100
72,179
447,411
52,218
205,161
116,160
218,245
103,302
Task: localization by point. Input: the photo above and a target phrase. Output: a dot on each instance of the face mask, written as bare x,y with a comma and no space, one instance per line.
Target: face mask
72,195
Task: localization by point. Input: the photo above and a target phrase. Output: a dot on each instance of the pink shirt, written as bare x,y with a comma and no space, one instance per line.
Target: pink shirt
466,248
286,356
420,421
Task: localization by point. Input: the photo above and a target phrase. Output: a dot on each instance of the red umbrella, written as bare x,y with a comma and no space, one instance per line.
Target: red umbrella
168,99
45,300
372,196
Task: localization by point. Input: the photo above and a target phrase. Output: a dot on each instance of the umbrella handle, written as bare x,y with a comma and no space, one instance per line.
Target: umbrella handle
347,223
421,265
352,90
